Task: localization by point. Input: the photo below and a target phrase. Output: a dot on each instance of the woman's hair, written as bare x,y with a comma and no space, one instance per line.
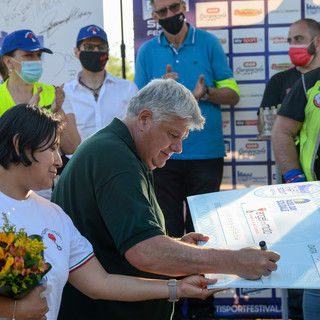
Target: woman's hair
4,72
32,127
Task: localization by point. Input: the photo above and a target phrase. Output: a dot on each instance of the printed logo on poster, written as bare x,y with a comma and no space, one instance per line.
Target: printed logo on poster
312,9
246,122
252,176
212,14
249,68
278,39
283,11
223,37
246,150
250,95
278,63
247,12
248,40
228,150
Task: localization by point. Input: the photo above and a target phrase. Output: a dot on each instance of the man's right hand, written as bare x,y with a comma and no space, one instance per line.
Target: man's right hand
169,74
251,263
32,306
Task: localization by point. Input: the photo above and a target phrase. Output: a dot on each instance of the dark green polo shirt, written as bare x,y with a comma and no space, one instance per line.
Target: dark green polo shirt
108,192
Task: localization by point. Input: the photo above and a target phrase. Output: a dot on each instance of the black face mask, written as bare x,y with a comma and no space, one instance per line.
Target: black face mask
94,61
173,24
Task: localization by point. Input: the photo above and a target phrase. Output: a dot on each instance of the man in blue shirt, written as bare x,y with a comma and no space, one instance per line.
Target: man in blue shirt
196,59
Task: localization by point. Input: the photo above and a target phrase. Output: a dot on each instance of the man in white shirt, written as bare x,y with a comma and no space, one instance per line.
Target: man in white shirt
95,95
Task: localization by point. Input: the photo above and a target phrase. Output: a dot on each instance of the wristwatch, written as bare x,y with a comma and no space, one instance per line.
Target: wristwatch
206,94
172,284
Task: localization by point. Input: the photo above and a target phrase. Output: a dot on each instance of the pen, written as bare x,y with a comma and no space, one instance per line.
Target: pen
263,245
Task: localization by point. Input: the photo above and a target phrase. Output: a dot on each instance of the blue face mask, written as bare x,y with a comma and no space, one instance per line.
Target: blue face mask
31,71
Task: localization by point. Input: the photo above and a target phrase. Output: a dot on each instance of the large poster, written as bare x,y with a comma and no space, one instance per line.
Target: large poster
57,23
253,34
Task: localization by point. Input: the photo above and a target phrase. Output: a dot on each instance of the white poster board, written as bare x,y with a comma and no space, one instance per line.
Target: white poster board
57,23
286,216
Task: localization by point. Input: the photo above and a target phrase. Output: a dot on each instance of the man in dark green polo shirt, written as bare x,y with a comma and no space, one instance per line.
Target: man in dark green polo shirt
107,189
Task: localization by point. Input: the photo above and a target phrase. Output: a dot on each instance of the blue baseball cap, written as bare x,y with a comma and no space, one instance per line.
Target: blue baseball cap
90,31
23,40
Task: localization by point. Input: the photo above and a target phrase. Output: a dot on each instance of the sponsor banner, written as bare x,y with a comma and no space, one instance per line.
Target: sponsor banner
228,149
247,12
212,14
278,39
243,303
246,122
250,95
249,68
248,40
223,36
278,63
283,11
226,123
312,9
227,183
251,176
246,150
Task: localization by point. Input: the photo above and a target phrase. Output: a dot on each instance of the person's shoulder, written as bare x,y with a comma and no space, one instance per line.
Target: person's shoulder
121,81
70,84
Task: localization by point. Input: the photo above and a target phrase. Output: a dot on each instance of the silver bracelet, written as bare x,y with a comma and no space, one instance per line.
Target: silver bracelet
172,284
14,310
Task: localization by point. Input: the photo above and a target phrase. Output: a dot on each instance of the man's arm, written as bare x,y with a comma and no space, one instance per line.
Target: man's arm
226,92
283,134
164,255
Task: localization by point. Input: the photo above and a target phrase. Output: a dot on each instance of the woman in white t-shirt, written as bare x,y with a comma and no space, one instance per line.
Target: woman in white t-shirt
29,159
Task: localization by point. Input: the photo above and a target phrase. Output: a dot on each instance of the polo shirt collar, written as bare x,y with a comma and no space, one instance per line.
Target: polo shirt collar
189,40
122,131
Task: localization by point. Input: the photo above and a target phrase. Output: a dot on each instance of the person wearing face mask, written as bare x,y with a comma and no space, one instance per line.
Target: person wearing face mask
95,95
21,61
304,56
300,113
195,58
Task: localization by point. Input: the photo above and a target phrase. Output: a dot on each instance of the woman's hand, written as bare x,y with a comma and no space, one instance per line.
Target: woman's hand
196,287
32,306
58,100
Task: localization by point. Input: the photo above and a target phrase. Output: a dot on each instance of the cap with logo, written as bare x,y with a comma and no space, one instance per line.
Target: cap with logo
24,40
90,31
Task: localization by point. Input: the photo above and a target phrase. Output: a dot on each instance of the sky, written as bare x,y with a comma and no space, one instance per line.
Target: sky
112,26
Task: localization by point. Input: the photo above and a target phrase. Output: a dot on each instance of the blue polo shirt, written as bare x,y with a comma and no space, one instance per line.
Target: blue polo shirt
201,53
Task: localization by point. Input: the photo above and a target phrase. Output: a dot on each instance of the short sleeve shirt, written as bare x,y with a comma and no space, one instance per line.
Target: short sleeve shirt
107,190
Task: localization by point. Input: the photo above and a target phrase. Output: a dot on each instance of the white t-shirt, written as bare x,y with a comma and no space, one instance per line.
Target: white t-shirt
92,115
66,249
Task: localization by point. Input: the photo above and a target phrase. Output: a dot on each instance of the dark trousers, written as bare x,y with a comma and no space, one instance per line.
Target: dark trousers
173,183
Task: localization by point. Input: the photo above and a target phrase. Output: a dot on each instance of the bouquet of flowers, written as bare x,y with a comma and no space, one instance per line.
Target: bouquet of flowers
21,260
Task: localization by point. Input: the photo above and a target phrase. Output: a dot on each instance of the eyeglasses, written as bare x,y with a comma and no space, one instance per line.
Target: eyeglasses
174,8
90,47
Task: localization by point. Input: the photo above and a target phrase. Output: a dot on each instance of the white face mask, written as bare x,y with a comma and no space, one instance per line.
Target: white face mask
31,71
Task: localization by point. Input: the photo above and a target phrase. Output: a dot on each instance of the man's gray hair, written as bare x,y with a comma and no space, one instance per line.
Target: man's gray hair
166,98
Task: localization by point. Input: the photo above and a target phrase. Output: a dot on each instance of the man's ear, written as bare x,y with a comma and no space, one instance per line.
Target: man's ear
16,144
76,52
144,118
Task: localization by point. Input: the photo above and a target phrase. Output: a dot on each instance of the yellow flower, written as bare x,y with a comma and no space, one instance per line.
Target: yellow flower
6,240
6,261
